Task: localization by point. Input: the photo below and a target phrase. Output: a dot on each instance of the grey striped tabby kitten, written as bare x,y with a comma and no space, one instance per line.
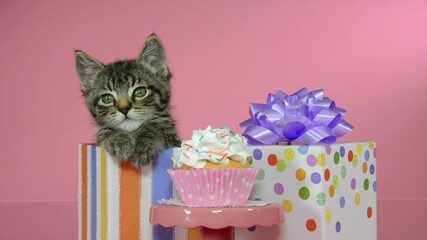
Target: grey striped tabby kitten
129,101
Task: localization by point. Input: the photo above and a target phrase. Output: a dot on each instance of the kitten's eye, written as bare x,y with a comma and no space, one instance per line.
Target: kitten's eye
107,98
140,92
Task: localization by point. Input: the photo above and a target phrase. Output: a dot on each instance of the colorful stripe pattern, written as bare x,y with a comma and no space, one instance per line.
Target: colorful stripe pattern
115,198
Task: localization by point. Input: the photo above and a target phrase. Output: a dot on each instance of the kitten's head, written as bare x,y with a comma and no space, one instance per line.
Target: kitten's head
124,94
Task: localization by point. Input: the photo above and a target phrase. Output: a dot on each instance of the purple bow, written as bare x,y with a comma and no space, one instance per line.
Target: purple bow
306,117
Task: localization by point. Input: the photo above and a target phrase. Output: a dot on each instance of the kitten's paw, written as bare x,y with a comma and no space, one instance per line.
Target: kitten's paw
144,154
121,146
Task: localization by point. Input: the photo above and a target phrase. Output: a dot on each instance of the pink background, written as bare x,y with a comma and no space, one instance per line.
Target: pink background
369,56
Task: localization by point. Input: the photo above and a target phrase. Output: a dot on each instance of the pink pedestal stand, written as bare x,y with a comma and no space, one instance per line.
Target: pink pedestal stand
216,223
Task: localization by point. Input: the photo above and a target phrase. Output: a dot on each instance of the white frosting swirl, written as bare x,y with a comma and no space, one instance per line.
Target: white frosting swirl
213,145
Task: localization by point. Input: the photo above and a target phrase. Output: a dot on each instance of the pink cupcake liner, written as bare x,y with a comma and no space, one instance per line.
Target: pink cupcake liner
214,187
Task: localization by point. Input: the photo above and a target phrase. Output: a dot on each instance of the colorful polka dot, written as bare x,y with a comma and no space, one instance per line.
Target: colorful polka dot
287,206
353,183
257,154
369,212
304,193
342,151
359,149
372,169
336,158
278,188
374,153
311,160
328,149
321,199
327,174
303,149
335,181
272,159
300,174
371,145
357,199
281,165
338,226
311,225
328,216
316,178
364,167
331,191
367,155
355,161
366,184
342,202
350,156
261,175
321,159
343,171
374,186
289,154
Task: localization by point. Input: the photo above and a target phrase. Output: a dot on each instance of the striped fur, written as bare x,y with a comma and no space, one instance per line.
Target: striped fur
130,103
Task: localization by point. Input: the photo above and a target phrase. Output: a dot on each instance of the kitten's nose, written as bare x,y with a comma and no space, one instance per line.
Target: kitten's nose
124,110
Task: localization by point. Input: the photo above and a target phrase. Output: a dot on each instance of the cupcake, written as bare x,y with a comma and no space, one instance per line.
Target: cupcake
213,169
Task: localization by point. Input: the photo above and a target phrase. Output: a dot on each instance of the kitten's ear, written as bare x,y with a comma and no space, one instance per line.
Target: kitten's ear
153,56
88,69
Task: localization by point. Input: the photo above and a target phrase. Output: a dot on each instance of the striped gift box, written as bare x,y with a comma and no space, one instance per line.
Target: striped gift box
115,198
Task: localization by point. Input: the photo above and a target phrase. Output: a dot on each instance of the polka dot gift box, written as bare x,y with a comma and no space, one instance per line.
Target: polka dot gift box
327,192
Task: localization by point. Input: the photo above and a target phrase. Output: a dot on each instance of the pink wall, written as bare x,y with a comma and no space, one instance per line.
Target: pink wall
369,56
